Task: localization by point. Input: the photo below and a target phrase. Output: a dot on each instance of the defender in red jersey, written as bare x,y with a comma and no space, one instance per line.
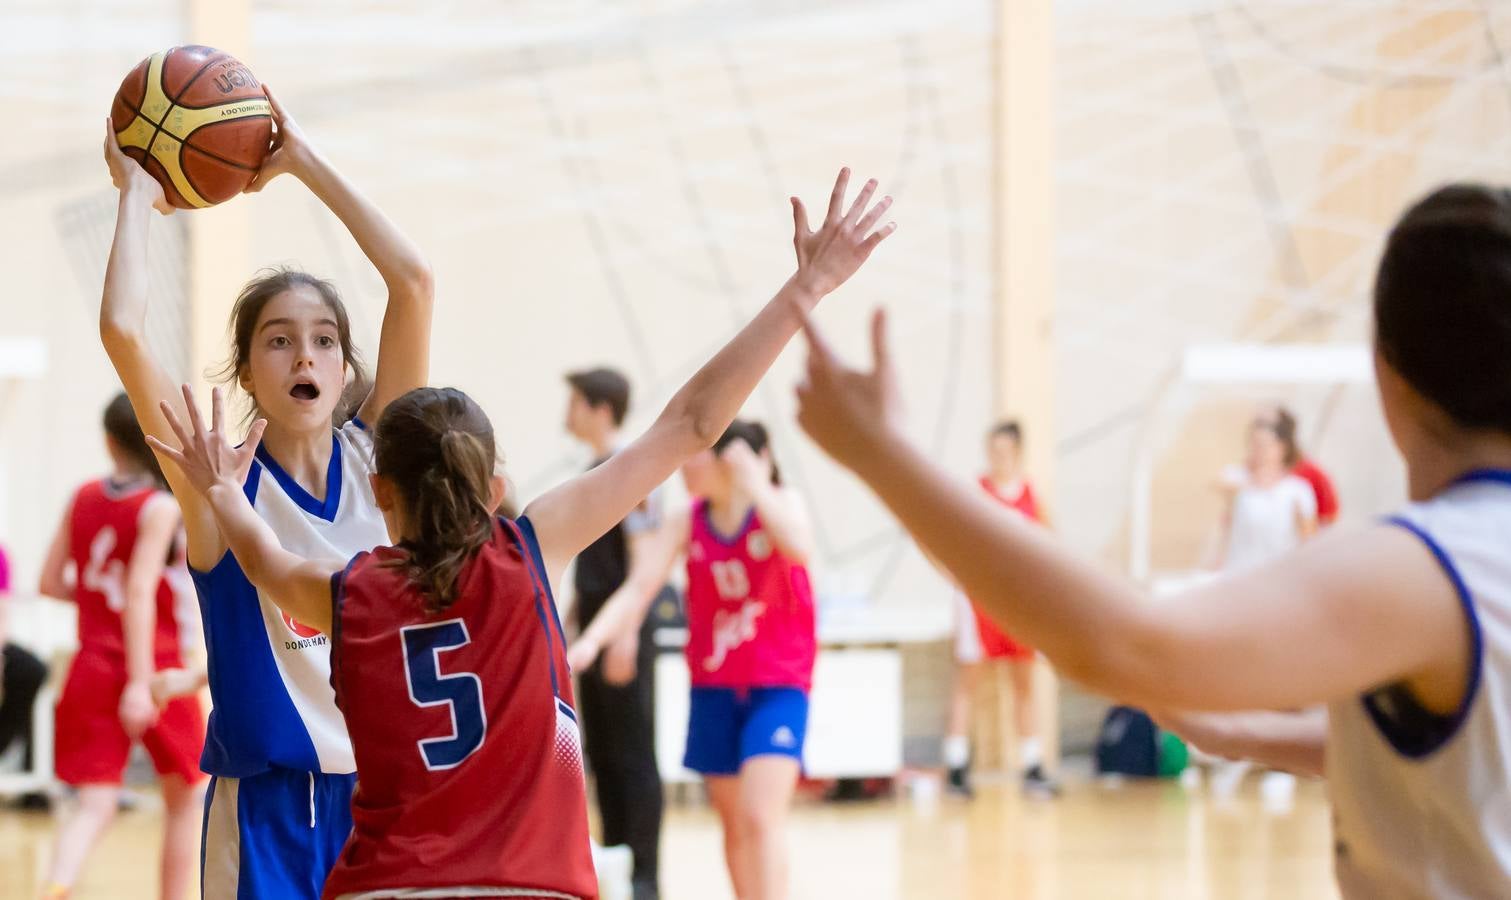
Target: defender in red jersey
750,649
117,539
978,640
446,650
418,769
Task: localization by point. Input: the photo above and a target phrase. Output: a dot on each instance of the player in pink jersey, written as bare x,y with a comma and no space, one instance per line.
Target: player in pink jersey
117,538
448,659
750,648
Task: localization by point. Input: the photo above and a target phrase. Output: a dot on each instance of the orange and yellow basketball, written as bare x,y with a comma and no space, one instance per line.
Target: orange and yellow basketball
197,119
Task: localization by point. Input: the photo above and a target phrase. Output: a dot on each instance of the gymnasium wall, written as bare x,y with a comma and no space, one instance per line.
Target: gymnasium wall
592,185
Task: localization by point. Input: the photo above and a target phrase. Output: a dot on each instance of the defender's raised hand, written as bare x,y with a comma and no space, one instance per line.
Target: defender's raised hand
826,258
847,411
206,456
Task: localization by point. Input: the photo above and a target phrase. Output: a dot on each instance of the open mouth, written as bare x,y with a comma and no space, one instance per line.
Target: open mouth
304,390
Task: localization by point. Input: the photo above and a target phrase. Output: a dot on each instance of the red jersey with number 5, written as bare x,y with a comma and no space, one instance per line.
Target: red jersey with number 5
469,763
750,616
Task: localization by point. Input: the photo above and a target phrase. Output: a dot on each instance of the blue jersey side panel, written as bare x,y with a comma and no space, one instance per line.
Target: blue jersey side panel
254,724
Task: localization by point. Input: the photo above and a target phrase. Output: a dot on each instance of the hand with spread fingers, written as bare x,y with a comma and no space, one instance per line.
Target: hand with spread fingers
846,411
826,258
206,456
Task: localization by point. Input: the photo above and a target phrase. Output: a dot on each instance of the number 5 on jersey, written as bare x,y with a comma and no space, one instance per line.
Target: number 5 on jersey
460,692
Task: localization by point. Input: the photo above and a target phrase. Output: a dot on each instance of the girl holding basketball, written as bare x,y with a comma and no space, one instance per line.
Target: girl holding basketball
115,541
449,660
278,810
750,649
1402,628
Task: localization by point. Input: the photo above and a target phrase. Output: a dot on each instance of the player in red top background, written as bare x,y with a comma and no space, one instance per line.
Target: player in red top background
116,541
979,641
462,699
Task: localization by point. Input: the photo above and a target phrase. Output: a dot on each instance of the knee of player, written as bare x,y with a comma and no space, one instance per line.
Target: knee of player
759,821
180,795
99,802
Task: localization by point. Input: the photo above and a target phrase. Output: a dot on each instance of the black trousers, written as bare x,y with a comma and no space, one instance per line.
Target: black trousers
23,677
618,725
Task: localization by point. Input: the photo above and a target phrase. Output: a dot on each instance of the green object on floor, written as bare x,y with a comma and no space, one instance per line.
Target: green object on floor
1173,756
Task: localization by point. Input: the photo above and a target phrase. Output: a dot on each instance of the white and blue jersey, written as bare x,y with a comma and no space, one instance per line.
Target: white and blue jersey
1422,802
269,674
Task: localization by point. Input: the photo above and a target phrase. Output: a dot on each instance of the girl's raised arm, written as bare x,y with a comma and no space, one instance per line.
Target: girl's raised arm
404,345
572,516
123,320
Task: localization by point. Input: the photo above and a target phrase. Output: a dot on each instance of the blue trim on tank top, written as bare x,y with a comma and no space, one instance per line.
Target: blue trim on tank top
516,537
338,600
254,478
325,509
527,529
708,523
1501,476
1453,722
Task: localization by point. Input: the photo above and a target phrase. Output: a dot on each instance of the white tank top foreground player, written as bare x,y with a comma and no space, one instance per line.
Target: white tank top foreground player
1402,628
1421,801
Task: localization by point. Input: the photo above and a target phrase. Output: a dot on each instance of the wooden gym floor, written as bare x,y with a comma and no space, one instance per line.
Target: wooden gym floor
1135,841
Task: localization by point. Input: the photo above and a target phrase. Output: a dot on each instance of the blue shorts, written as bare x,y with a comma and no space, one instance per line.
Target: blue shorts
273,835
725,727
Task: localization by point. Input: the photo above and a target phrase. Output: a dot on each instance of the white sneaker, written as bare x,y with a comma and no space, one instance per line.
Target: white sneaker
1278,790
1227,777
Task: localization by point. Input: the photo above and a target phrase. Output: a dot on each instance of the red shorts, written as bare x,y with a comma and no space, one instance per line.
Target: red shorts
91,745
998,644
978,638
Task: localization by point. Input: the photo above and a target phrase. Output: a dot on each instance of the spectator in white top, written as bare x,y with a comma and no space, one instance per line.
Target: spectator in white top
1269,511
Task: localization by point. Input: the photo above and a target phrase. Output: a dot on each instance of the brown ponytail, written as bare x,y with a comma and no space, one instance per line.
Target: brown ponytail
436,446
1283,427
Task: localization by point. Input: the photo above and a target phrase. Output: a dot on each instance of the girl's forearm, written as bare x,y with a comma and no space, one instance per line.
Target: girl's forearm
712,398
397,258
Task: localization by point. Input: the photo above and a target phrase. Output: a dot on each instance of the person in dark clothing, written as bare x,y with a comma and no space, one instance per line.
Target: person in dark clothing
21,677
616,697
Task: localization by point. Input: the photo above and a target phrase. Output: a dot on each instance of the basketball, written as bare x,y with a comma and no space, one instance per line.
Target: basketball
197,119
